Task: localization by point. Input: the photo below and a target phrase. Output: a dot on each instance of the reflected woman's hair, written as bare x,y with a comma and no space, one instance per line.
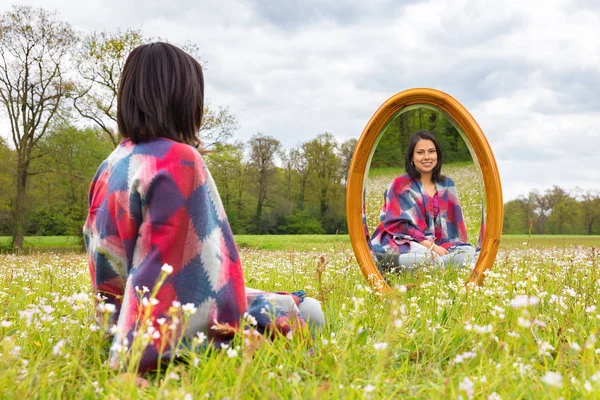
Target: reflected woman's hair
408,163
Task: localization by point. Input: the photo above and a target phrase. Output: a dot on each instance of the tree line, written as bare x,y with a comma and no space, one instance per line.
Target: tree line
555,211
391,149
265,187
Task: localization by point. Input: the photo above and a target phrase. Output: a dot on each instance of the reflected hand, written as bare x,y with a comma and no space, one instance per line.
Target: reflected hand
440,250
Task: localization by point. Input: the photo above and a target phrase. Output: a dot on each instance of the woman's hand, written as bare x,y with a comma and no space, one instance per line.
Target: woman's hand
439,250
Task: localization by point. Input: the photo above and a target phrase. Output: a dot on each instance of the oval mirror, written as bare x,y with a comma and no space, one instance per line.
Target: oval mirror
391,216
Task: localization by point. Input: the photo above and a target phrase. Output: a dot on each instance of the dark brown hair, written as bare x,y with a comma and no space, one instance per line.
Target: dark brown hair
161,94
436,174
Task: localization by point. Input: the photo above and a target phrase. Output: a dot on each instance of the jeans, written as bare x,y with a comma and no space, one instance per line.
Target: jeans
419,255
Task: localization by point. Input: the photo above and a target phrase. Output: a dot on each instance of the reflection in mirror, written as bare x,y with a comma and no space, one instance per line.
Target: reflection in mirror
387,162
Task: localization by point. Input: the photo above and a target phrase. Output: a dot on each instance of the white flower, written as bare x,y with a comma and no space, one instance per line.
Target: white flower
57,348
468,387
231,353
590,309
369,388
5,324
250,319
167,268
522,301
524,323
575,346
462,357
553,379
189,308
380,346
161,321
587,386
173,376
494,396
200,338
544,348
176,304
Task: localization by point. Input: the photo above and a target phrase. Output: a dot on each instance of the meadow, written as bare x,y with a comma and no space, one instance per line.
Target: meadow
531,331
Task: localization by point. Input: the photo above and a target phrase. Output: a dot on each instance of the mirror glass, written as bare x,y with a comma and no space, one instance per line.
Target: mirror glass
387,162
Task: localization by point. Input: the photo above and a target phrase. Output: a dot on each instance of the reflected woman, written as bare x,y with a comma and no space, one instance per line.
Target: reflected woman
421,218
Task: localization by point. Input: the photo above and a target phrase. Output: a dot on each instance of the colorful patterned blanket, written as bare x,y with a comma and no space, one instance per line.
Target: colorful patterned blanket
162,257
407,215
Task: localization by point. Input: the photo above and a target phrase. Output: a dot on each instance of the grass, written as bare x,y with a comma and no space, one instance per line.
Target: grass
436,340
306,242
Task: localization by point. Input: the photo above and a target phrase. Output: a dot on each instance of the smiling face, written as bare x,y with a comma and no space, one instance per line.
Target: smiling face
424,156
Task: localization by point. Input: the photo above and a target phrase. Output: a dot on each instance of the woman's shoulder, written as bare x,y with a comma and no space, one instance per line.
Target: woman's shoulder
446,181
403,181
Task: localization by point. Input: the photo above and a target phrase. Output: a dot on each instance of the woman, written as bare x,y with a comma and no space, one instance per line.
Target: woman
161,252
421,218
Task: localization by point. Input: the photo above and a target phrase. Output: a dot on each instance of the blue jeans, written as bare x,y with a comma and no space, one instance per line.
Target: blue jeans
458,256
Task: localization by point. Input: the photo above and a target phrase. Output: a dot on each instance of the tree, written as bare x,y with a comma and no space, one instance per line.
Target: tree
590,209
262,158
68,159
324,162
7,183
346,151
34,48
300,165
100,60
288,168
228,169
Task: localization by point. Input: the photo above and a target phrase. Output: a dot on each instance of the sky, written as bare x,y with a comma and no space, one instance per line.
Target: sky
528,71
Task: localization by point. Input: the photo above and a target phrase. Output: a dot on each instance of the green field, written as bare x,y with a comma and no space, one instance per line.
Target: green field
306,242
530,332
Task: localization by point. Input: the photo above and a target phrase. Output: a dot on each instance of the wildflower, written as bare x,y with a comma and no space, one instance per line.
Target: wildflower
554,379
176,304
167,268
200,338
468,387
590,309
524,323
462,357
587,386
380,346
494,396
189,308
174,376
108,307
57,347
544,348
5,324
232,353
575,346
250,319
522,301
369,388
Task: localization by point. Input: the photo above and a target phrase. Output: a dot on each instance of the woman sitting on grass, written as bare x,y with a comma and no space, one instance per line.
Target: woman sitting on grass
161,252
421,218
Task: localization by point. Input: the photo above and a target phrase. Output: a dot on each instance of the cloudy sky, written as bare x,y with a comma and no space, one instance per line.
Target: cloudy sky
528,71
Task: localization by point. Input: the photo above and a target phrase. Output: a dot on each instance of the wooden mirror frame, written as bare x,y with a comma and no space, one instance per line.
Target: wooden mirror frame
356,177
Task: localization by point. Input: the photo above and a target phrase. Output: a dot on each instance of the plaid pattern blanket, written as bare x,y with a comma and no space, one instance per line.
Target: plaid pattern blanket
156,216
407,215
